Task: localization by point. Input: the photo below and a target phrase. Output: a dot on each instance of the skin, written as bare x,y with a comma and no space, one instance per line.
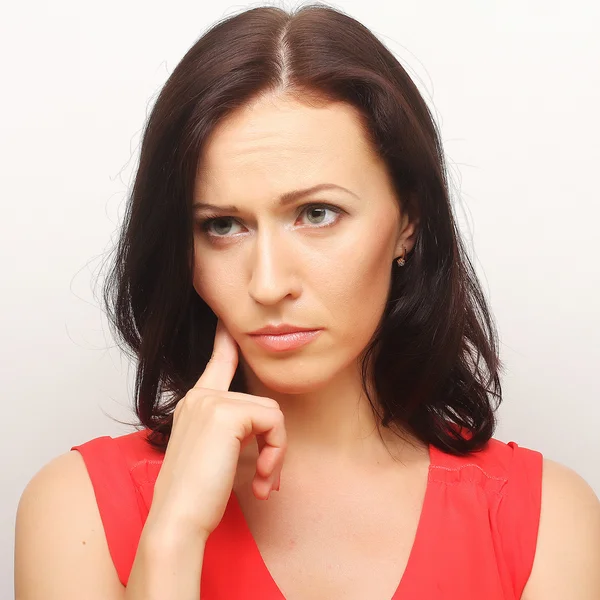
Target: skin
280,266
307,266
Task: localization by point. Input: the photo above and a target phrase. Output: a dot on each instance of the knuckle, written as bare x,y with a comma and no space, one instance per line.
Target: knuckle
220,412
212,402
196,393
270,401
188,402
199,396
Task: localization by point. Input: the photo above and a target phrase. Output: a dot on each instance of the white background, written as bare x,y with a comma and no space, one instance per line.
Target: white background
515,87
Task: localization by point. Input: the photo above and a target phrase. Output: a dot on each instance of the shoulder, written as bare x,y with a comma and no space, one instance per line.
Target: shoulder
113,461
61,486
133,445
497,464
567,554
60,549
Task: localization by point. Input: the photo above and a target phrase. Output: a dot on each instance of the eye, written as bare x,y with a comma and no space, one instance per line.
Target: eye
220,227
318,211
221,224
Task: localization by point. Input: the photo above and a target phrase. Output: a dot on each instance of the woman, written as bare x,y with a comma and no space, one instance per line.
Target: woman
290,273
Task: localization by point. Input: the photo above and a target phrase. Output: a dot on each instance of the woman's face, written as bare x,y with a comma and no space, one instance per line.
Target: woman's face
323,260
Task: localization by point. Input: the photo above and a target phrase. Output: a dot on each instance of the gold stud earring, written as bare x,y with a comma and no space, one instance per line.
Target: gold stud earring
401,260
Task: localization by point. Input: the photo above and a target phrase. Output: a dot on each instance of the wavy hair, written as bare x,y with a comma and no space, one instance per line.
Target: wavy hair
433,360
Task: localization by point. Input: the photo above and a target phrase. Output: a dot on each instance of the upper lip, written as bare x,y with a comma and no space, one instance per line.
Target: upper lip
280,329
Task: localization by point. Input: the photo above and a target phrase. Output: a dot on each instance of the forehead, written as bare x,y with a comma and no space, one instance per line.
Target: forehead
279,144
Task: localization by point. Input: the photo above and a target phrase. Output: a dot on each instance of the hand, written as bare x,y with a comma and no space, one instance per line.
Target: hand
211,426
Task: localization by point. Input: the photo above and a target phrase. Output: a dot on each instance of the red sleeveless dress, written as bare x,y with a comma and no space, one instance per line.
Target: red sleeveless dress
476,537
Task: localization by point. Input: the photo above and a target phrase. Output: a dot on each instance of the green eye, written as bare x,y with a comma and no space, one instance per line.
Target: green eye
321,211
217,226
219,222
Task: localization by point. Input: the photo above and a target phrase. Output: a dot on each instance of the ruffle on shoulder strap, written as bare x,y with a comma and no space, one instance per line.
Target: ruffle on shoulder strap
116,498
518,515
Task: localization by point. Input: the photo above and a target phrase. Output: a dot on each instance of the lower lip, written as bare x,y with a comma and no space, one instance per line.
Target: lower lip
286,341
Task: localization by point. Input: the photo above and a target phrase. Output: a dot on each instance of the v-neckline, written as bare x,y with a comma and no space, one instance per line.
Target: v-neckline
416,552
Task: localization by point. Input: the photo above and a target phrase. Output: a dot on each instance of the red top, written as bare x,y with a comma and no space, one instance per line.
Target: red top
476,536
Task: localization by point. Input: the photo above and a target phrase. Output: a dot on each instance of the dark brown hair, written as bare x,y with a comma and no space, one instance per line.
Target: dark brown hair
433,358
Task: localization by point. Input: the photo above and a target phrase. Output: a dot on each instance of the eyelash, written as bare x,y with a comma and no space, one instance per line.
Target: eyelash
206,222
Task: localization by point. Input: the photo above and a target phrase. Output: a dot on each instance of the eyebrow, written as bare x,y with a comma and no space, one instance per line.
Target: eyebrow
284,199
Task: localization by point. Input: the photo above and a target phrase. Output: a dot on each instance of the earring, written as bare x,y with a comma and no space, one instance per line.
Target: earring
401,260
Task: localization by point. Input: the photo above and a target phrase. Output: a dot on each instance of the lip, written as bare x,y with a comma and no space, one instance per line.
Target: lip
280,329
286,341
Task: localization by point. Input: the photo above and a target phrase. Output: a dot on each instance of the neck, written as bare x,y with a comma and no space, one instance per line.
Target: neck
336,423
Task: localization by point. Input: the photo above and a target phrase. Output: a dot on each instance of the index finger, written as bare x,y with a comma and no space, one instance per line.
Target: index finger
222,364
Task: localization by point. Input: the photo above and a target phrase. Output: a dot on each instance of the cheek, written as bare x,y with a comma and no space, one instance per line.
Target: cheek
356,291
215,284
359,274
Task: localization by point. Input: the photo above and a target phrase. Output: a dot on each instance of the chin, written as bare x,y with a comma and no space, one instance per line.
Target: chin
287,387
293,377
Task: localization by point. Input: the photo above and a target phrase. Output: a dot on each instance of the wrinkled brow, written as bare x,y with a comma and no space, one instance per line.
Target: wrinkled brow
284,199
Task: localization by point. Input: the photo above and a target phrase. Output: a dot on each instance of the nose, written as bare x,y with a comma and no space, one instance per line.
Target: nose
273,273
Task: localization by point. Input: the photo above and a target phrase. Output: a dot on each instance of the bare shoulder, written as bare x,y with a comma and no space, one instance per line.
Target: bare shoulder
567,559
60,547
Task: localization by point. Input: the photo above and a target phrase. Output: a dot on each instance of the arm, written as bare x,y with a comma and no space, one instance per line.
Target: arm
567,558
61,552
60,547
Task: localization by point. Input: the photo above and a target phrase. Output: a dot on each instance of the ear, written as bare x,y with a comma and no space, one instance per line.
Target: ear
407,233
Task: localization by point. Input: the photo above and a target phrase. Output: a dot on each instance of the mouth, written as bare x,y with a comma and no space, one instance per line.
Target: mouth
281,328
281,342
